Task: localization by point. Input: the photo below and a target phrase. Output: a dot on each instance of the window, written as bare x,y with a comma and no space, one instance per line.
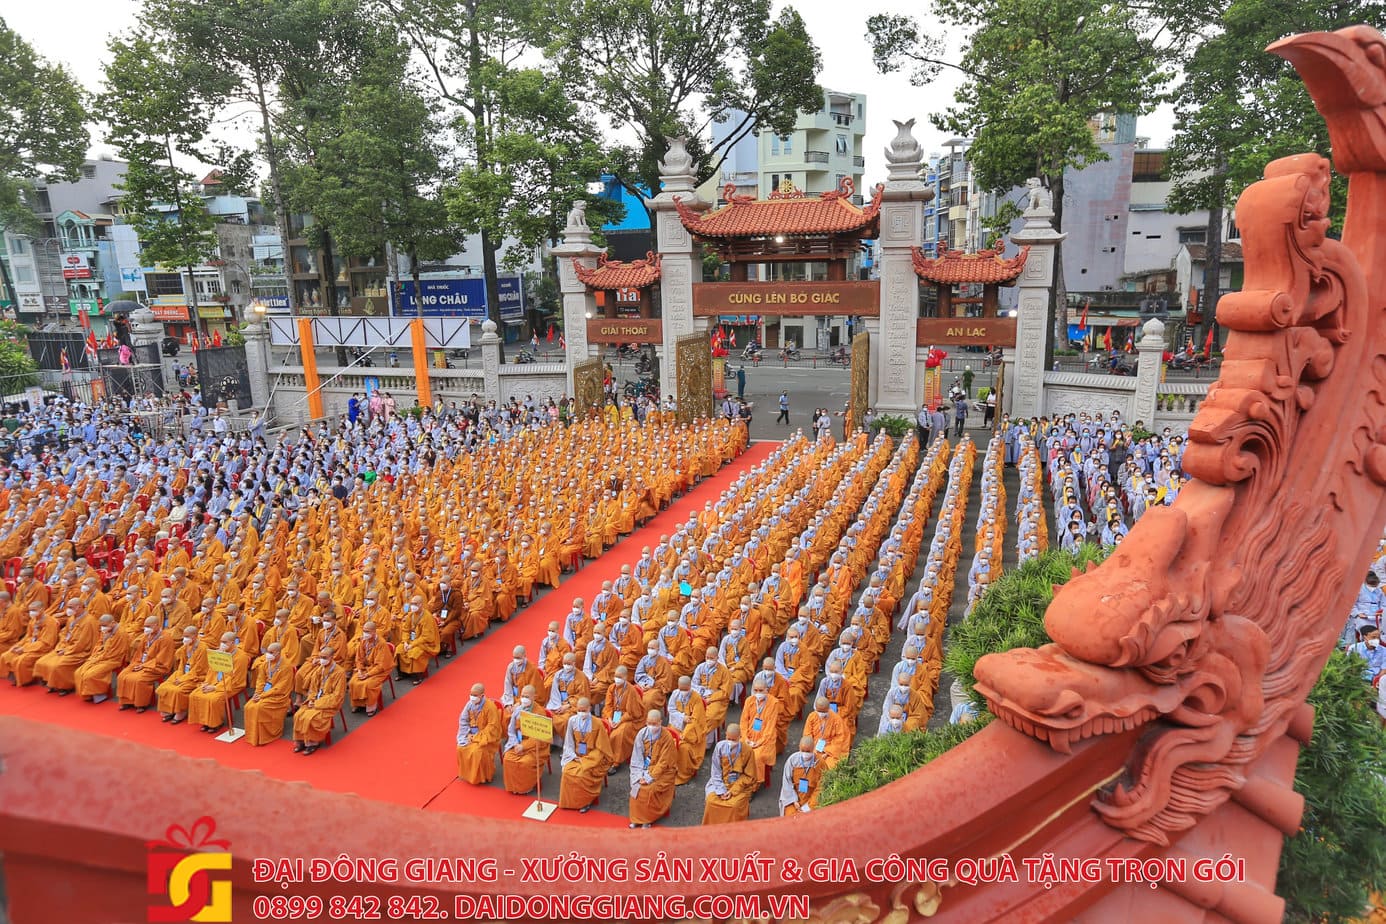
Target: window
841,177
774,144
859,110
1148,167
23,273
774,182
842,144
89,171
1153,237
1193,236
787,144
17,245
1233,232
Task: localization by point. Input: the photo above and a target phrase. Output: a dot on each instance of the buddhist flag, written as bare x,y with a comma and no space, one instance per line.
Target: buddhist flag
64,361
562,344
89,347
1130,341
1208,344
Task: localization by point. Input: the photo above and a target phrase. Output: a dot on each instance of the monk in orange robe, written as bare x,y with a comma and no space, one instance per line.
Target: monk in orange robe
208,704
189,667
371,665
523,758
75,643
653,768
736,775
587,758
760,717
479,731
567,686
688,717
803,771
151,657
40,639
622,710
93,678
418,640
14,619
832,739
269,703
313,721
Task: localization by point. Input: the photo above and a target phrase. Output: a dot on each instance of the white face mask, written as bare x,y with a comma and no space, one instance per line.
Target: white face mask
148,630
475,700
1373,642
617,681
324,661
760,696
526,701
225,646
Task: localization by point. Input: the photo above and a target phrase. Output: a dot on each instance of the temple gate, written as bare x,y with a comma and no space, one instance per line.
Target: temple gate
693,357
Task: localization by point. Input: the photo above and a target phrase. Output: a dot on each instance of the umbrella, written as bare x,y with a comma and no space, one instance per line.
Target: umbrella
123,306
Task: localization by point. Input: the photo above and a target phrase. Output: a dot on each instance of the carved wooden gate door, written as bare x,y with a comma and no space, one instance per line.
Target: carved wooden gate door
587,388
693,363
859,396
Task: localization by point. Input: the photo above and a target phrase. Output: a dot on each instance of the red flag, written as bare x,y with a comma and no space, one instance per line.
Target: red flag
562,344
1107,340
1130,342
1208,345
89,347
1083,321
192,342
550,336
84,319
216,338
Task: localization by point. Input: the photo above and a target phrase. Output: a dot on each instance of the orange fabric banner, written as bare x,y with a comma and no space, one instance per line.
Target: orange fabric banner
420,347
310,368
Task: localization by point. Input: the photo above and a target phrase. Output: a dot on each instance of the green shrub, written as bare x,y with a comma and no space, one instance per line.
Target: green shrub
895,426
885,758
1329,869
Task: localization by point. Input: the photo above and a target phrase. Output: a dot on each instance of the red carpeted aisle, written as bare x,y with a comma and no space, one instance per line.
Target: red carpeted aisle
407,754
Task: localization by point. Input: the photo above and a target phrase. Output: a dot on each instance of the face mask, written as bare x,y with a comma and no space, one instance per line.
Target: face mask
617,681
1373,642
225,646
324,661
526,701
148,630
760,696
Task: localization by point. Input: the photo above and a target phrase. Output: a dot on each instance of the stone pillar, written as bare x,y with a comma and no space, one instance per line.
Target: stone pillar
578,303
681,259
894,365
257,359
1025,379
1151,350
490,359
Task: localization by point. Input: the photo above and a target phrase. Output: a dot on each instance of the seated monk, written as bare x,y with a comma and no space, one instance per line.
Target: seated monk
480,599
567,686
713,682
832,739
653,768
75,642
551,655
313,721
370,667
736,775
600,664
628,639
622,711
273,685
207,705
418,640
760,717
93,678
688,717
479,730
519,673
284,634
654,676
42,635
151,658
14,619
587,758
523,758
189,667
803,771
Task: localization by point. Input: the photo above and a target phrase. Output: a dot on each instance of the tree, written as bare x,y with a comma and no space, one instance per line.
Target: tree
159,103
377,169
42,133
515,122
667,69
1035,75
1238,108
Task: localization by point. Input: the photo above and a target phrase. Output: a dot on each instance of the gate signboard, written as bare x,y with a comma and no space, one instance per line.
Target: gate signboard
791,299
966,332
623,330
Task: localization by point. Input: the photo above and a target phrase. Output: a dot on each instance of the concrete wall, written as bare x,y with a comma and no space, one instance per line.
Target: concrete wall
542,380
1096,210
1152,239
1080,392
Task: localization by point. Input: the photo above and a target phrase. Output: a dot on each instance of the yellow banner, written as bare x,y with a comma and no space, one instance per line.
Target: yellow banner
220,661
535,725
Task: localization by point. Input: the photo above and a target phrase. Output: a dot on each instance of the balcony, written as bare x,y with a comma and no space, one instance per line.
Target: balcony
816,157
842,118
858,161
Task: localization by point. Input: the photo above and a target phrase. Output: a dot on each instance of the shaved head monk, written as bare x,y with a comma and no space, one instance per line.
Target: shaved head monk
151,659
479,732
587,756
736,775
653,767
93,678
269,703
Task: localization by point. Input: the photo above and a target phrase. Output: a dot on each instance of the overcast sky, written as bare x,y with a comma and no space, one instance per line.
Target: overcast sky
75,32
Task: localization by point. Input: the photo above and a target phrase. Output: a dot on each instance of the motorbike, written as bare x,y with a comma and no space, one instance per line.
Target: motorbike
1119,366
991,359
751,353
644,387
789,353
627,349
1189,363
840,357
526,356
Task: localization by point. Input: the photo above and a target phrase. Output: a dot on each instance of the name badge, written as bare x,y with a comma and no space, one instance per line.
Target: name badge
832,706
582,750
820,745
803,785
268,686
616,717
472,730
756,725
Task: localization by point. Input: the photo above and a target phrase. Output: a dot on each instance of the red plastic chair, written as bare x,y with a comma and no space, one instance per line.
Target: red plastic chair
116,561
160,550
142,502
188,547
12,566
130,540
41,570
10,586
176,533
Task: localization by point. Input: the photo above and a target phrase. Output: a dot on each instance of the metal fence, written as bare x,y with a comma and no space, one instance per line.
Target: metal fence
47,347
223,375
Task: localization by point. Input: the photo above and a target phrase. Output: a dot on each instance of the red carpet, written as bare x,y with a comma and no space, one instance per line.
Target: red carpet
408,754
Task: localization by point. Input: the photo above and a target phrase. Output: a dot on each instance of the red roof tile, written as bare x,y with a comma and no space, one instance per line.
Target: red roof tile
613,274
784,213
985,267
